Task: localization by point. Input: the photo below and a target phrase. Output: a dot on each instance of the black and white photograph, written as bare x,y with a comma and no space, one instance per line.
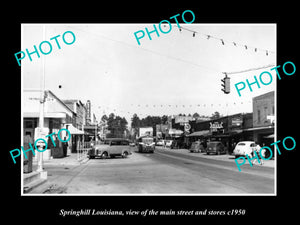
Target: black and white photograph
140,113
129,109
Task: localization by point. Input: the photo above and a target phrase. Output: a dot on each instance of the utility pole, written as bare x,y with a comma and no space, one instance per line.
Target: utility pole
41,117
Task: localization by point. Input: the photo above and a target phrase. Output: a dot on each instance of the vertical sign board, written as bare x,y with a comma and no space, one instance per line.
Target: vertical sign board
41,133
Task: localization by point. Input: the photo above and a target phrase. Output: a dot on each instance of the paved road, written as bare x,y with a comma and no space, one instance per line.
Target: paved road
164,172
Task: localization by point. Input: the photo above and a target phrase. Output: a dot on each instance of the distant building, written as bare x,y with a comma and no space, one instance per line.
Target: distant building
80,109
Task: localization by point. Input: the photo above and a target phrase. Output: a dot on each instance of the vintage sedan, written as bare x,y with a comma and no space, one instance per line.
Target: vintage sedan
216,147
197,146
244,148
112,147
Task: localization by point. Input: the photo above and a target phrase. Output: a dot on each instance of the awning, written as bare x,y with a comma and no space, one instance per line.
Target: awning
199,133
259,128
237,131
269,136
175,132
72,129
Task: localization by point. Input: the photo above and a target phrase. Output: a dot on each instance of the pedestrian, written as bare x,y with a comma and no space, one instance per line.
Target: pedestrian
262,153
27,168
65,148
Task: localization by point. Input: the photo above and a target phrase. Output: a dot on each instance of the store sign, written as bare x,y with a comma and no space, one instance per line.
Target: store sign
183,119
187,127
236,121
216,127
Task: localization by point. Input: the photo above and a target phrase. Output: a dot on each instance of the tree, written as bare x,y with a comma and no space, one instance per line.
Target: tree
104,118
215,115
135,121
116,125
196,115
164,119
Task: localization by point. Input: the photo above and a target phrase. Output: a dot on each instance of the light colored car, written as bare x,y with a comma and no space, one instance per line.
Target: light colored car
195,147
160,143
245,147
112,147
169,143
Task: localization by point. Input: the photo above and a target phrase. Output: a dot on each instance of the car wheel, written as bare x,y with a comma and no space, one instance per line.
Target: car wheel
125,154
104,155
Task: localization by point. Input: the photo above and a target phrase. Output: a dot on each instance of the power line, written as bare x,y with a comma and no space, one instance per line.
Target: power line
223,41
151,51
247,70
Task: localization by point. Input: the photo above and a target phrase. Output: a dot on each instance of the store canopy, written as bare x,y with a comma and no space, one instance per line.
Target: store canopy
72,129
175,132
269,136
199,133
237,131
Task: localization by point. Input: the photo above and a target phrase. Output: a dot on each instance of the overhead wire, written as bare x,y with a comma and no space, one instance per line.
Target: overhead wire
151,51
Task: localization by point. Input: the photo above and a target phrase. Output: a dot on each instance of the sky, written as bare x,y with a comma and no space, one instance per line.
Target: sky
170,74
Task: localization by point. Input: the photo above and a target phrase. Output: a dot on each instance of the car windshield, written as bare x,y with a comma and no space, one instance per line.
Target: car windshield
242,143
212,144
147,140
194,144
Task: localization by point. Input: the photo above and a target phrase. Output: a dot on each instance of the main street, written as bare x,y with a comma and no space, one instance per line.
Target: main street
163,172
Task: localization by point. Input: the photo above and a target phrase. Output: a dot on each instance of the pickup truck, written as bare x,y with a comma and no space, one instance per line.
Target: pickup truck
112,147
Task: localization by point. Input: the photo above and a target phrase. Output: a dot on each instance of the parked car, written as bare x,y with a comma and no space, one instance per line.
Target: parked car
112,147
216,147
131,144
160,143
169,143
245,147
195,147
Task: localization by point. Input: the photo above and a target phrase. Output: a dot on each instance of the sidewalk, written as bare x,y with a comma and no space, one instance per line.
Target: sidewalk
70,159
223,157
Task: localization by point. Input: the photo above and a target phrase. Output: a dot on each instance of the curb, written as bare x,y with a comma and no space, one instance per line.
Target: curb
31,185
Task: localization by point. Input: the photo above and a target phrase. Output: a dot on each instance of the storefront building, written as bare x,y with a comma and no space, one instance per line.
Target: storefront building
78,133
229,130
263,119
56,116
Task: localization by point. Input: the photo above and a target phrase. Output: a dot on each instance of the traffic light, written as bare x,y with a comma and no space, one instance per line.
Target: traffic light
226,84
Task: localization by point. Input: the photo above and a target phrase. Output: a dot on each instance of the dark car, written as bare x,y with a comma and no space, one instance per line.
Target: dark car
215,147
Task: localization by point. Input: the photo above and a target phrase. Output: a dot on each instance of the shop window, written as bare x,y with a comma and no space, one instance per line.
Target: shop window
29,124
